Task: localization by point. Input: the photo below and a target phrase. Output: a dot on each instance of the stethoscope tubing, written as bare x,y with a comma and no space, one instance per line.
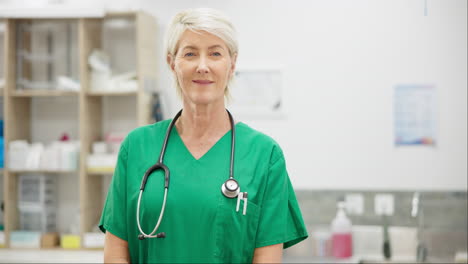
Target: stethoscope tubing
166,139
151,235
233,145
160,165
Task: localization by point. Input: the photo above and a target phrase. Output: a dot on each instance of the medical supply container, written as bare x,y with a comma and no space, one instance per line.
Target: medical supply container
25,239
47,54
70,241
50,240
36,190
43,219
37,202
93,240
321,241
341,234
18,150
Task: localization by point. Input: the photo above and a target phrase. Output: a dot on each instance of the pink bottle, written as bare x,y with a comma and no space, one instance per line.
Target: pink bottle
342,243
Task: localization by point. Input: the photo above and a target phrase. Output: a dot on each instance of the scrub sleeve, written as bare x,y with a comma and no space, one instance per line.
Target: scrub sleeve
115,214
280,216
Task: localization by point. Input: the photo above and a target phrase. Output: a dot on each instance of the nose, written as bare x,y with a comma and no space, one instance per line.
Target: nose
203,65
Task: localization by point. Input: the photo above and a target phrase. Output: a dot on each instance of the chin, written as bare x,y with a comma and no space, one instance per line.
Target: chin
204,98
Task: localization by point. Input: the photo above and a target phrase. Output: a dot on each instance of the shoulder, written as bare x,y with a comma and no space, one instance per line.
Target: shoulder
253,138
142,133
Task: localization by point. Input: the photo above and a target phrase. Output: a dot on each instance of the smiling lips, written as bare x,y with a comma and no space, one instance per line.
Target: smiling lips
203,81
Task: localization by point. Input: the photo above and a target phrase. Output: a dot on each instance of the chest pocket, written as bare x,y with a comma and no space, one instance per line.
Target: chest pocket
235,232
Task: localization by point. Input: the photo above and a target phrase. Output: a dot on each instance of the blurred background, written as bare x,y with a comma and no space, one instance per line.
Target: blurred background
368,100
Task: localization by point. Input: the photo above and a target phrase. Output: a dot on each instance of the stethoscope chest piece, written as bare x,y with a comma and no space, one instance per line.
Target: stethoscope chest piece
230,188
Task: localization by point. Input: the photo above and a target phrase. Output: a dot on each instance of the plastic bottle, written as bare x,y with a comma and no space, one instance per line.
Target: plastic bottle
342,242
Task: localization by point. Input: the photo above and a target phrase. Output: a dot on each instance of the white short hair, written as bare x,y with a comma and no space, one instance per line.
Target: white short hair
201,19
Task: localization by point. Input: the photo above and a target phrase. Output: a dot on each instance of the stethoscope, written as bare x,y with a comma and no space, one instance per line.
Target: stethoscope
230,188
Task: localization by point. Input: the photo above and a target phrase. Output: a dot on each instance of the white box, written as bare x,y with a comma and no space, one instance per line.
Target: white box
368,240
93,240
404,240
101,160
99,147
17,151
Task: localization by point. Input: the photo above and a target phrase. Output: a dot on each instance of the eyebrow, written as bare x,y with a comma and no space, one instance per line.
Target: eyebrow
210,47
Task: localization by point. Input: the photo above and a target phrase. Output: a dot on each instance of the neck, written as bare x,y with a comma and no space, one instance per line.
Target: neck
201,121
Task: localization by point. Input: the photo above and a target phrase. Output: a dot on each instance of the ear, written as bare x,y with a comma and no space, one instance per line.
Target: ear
170,61
233,63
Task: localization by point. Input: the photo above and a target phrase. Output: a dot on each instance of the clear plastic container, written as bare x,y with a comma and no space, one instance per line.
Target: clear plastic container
321,243
46,50
37,191
43,219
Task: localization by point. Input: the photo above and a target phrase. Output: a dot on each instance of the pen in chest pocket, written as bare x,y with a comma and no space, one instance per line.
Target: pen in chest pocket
242,196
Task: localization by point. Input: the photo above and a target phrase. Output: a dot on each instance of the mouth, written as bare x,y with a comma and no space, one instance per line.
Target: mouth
202,81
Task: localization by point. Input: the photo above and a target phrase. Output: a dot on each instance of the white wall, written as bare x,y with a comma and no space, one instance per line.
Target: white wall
341,61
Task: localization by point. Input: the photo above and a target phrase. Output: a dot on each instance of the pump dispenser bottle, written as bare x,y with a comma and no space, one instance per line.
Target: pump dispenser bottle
341,234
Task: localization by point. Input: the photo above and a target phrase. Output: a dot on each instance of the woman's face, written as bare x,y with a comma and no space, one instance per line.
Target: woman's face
202,66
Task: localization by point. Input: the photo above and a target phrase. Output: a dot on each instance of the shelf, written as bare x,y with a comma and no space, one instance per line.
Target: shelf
43,58
42,171
56,255
120,14
101,171
111,93
43,93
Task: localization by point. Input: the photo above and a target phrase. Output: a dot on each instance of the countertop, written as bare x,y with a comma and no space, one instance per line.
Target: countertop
96,256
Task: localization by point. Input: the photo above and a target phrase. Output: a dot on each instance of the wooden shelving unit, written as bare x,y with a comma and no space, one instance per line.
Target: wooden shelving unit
101,171
40,171
43,93
18,116
2,65
105,93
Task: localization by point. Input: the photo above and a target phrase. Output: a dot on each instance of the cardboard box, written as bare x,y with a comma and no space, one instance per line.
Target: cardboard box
50,240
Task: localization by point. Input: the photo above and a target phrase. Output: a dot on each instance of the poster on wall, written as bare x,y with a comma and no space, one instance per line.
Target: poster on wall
257,93
415,115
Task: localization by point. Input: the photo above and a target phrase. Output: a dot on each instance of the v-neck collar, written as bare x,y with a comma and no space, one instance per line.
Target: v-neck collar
218,142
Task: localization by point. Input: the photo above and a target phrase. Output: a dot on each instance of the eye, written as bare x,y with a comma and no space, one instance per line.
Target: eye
216,54
189,54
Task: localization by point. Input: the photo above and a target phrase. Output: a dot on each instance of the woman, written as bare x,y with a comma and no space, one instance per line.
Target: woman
201,221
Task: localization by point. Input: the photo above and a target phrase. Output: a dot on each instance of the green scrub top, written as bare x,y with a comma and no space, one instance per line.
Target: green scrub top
200,223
